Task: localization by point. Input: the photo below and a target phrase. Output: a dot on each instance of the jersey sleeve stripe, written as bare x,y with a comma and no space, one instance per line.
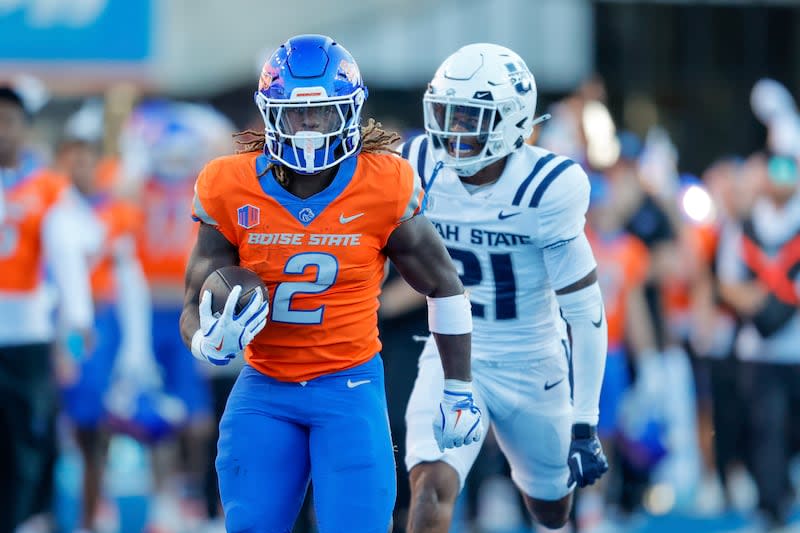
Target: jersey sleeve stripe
415,202
550,178
199,212
525,184
406,149
421,158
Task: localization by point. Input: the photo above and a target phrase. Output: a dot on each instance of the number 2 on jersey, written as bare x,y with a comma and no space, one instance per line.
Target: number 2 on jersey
327,269
505,285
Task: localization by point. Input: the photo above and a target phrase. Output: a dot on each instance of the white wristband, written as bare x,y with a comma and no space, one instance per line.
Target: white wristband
451,315
197,340
458,386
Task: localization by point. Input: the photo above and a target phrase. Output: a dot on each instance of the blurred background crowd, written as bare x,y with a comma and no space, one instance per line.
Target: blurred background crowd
683,114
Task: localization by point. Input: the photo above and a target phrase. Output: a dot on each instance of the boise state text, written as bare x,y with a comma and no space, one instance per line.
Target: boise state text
304,239
452,232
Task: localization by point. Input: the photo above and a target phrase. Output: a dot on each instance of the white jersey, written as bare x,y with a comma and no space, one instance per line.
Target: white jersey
497,237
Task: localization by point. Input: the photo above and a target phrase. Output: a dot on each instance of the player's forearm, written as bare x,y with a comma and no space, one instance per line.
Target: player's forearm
583,310
211,251
455,353
197,270
190,323
196,273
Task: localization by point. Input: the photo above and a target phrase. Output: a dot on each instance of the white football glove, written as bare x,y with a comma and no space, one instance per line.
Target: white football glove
458,421
221,338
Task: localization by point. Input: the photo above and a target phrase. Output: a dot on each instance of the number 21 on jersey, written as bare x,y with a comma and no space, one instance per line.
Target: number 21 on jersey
505,285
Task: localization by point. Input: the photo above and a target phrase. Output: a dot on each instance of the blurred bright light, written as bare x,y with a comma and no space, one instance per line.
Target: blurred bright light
697,204
659,499
603,147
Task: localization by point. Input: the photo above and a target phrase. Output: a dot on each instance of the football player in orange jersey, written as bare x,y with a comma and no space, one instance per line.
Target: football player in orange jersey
316,209
41,228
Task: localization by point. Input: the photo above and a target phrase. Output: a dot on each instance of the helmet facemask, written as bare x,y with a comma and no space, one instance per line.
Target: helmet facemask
310,131
468,134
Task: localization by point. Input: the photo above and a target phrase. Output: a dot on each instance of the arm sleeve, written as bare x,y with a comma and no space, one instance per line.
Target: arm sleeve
568,258
583,311
68,239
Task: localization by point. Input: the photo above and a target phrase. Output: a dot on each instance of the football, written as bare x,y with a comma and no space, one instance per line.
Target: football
221,281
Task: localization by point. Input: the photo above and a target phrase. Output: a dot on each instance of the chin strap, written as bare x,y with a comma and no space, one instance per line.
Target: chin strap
435,172
546,116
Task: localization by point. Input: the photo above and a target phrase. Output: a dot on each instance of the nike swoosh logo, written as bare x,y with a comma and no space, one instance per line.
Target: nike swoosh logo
458,417
600,321
354,384
503,216
548,386
219,346
344,220
578,460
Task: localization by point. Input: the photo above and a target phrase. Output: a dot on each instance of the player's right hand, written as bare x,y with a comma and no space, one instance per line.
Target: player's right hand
221,338
458,421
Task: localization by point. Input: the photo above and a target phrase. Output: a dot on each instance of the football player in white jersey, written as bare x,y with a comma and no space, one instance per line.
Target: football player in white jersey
512,217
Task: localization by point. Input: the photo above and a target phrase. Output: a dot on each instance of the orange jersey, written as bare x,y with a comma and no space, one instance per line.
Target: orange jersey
107,173
119,219
27,202
165,239
622,264
697,246
321,258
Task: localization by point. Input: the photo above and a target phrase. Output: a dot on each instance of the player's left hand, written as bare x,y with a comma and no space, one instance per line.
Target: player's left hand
458,421
587,462
222,337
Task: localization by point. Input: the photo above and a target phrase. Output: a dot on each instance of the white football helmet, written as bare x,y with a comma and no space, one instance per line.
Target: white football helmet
479,107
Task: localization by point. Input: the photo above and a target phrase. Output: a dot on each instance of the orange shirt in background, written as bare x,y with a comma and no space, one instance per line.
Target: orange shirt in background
120,219
622,264
27,202
167,234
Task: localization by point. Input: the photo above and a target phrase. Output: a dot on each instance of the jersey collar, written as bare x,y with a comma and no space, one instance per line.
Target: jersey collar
305,210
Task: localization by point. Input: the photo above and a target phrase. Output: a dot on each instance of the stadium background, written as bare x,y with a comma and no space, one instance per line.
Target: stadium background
688,66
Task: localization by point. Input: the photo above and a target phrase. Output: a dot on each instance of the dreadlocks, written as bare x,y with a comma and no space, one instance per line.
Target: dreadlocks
374,139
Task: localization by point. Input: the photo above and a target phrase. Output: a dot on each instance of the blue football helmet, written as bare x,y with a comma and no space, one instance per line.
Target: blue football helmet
147,414
310,95
170,141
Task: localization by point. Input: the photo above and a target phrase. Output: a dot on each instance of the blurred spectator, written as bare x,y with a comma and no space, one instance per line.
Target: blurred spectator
758,270
622,267
646,219
163,146
43,226
121,347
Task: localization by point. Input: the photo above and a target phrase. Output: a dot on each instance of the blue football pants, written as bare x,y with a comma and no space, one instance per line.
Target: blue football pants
334,431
